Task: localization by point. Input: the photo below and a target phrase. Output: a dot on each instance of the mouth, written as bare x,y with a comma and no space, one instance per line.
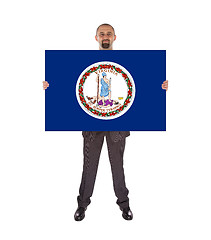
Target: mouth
105,45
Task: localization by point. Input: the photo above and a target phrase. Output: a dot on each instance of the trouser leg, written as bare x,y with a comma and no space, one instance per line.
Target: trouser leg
91,150
116,151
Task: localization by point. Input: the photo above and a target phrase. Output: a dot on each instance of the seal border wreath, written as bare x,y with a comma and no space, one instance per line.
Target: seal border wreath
103,65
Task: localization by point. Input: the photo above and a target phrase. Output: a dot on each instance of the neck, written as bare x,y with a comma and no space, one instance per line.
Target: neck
111,48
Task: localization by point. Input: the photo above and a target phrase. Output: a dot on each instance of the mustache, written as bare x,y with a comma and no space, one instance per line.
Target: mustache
106,40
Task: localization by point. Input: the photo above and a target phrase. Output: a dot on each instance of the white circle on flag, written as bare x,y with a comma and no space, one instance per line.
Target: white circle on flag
105,90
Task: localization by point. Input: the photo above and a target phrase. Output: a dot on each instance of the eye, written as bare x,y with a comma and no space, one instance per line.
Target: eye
101,34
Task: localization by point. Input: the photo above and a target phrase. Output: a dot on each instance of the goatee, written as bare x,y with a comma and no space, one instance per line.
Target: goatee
105,45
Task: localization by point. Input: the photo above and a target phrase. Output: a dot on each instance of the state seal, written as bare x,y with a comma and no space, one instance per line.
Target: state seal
105,90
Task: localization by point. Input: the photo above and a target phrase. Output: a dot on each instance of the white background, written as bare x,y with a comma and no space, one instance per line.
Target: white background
167,173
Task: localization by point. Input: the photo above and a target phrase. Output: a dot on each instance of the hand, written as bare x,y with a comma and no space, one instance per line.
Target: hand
165,85
45,85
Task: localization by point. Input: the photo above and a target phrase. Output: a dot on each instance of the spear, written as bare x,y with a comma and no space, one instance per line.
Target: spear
97,87
110,86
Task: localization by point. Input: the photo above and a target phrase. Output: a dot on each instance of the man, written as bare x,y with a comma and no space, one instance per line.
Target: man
93,142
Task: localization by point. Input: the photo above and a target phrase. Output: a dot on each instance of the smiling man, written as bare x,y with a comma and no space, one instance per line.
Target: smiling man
105,36
93,142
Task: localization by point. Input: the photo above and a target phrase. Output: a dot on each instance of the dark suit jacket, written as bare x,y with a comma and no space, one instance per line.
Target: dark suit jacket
115,135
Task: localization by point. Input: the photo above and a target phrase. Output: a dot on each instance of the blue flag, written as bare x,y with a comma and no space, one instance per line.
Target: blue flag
94,90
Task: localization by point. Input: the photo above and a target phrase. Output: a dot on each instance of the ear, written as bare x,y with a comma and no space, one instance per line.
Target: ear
114,37
96,38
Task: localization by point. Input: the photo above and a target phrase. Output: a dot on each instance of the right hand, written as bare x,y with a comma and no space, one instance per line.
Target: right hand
45,85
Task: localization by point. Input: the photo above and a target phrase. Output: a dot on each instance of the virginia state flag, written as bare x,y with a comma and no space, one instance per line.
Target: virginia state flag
94,90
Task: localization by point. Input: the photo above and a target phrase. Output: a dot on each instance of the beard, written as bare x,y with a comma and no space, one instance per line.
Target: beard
105,45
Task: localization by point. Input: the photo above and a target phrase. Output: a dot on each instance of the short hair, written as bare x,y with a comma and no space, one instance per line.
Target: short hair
105,24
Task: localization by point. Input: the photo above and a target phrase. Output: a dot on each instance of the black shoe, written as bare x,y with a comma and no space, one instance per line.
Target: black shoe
80,213
127,213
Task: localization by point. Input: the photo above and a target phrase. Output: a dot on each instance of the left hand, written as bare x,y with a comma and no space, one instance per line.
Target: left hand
165,85
45,85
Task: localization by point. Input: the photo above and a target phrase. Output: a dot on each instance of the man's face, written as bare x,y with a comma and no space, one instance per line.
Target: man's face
105,37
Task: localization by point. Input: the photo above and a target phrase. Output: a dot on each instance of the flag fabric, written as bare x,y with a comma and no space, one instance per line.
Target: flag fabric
92,90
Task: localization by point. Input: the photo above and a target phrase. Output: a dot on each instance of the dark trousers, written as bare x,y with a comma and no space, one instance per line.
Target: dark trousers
92,150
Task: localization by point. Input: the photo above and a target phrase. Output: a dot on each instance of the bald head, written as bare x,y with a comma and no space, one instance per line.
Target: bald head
105,36
105,24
